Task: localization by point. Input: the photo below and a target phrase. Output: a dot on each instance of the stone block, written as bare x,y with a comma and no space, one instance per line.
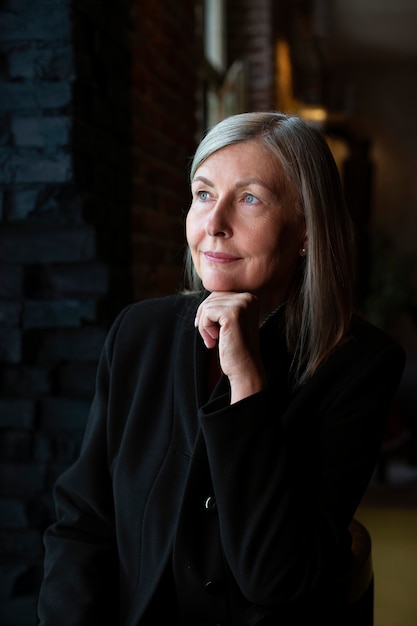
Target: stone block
20,381
21,60
40,132
42,20
57,313
58,202
17,413
21,480
77,380
31,166
78,344
71,279
64,415
42,449
10,313
22,203
10,345
41,243
42,61
12,514
4,138
21,542
16,446
39,96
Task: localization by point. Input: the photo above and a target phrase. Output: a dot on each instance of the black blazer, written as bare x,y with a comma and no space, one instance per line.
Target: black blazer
250,502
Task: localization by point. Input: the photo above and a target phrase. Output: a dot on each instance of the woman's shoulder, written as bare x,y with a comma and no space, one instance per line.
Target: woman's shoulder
156,315
170,304
370,337
152,324
366,346
368,351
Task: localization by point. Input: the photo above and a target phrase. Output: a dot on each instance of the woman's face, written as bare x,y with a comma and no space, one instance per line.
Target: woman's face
243,228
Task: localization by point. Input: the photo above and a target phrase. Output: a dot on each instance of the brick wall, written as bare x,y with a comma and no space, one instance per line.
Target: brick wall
50,282
250,39
164,79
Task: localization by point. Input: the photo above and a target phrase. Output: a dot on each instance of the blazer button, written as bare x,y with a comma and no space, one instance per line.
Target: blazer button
210,504
213,586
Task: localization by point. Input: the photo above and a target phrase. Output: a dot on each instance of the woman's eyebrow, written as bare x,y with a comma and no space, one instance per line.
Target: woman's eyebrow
204,180
251,181
238,184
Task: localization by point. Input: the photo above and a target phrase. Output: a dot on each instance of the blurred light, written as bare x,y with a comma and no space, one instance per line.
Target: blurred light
313,113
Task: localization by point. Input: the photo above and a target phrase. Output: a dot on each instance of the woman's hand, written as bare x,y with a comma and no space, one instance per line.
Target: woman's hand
231,321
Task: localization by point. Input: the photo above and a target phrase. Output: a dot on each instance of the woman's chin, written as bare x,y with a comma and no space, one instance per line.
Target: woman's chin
220,285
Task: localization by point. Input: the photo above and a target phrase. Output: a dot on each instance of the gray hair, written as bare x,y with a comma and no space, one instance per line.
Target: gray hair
320,305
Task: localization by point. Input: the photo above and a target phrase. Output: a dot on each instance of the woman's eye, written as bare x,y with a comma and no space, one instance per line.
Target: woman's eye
250,198
203,195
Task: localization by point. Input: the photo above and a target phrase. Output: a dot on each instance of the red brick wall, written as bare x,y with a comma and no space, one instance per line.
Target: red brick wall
164,68
250,39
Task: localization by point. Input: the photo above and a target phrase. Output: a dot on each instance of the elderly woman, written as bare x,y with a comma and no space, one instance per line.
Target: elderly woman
235,425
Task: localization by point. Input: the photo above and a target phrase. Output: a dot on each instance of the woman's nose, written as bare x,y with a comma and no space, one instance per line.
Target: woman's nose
217,224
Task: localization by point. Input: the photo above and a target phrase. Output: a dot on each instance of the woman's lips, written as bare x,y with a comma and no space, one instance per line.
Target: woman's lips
219,257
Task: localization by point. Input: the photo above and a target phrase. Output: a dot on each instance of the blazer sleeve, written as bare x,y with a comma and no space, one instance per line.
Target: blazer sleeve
288,479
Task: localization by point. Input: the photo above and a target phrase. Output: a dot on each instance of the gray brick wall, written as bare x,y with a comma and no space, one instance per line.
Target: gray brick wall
56,296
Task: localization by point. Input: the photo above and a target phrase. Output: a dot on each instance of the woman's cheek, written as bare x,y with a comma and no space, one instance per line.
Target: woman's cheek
193,228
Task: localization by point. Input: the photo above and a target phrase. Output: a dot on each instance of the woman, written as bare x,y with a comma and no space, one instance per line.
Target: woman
235,427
